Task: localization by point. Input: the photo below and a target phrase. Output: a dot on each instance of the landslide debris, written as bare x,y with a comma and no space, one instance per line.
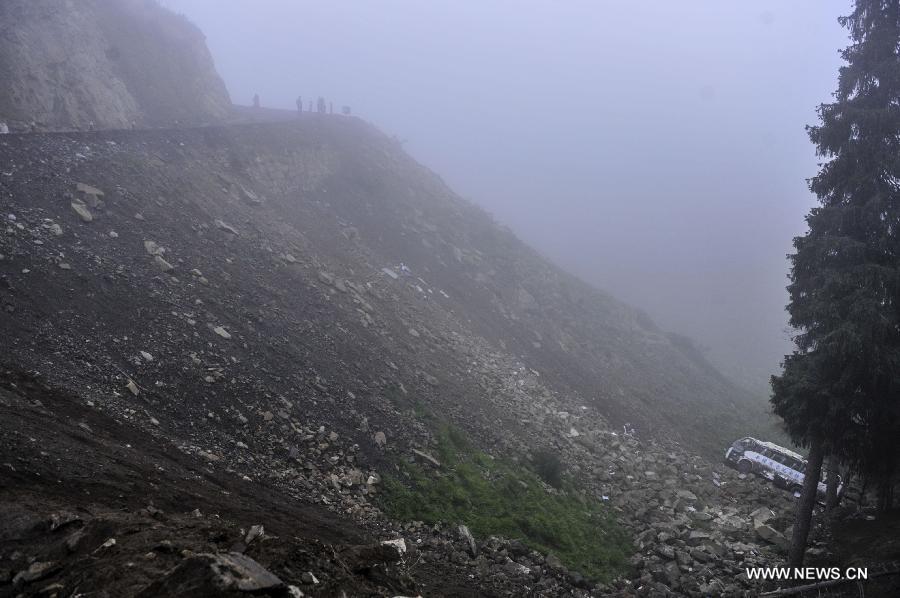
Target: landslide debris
321,295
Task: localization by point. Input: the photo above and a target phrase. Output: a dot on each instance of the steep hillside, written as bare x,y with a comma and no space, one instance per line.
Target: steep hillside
345,202
66,64
256,320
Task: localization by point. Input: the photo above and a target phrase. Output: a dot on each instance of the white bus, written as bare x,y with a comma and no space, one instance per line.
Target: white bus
782,466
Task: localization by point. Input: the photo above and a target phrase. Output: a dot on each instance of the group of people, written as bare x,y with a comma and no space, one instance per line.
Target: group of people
321,106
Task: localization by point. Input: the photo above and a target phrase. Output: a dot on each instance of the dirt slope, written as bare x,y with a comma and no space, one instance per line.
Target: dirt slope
342,198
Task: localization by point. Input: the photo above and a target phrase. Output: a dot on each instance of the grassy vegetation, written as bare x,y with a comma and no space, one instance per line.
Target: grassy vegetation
497,497
407,403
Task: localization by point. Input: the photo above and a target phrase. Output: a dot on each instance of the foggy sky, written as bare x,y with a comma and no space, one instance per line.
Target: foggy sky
656,148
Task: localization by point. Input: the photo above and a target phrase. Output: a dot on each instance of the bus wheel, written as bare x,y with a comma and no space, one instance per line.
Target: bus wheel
744,466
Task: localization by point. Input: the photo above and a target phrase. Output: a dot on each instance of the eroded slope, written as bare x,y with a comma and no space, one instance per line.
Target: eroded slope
288,304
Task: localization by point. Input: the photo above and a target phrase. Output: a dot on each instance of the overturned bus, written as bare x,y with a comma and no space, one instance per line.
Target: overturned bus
782,466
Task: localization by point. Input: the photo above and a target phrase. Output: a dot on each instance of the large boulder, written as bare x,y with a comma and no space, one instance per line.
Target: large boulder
772,535
211,575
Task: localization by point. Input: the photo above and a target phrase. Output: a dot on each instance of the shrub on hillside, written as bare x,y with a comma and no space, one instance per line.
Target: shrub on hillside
548,465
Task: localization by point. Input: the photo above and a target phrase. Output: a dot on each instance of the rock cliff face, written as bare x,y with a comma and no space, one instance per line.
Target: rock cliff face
65,64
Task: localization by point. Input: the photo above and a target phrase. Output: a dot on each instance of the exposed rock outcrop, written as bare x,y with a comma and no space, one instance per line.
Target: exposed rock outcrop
66,64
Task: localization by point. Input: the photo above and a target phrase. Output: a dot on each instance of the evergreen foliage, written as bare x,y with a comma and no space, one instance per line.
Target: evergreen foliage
838,392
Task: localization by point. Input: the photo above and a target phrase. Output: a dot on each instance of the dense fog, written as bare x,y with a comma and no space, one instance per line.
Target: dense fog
657,149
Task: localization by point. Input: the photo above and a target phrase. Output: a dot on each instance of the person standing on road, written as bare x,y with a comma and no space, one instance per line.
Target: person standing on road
299,104
256,100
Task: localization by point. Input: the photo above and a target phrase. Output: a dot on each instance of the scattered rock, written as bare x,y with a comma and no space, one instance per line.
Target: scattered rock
88,190
665,551
761,516
221,225
426,457
61,520
256,531
222,332
36,571
360,559
83,212
770,534
162,264
208,575
249,196
686,495
469,539
153,248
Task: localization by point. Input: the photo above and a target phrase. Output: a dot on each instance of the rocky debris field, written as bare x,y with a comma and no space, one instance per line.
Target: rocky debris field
217,342
87,498
97,507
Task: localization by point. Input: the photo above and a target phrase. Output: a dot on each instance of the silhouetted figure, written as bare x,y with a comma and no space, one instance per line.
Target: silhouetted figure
256,100
330,108
299,104
321,105
91,126
310,105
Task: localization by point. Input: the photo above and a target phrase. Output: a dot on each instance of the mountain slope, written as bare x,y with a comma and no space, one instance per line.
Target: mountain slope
342,199
301,307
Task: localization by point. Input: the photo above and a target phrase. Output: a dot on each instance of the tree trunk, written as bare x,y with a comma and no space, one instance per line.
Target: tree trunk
885,494
847,490
831,497
807,501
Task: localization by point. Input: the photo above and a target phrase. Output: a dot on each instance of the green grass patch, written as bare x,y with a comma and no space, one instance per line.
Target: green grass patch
498,497
407,403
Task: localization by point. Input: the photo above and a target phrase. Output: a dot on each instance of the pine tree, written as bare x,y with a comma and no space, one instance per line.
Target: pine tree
838,393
